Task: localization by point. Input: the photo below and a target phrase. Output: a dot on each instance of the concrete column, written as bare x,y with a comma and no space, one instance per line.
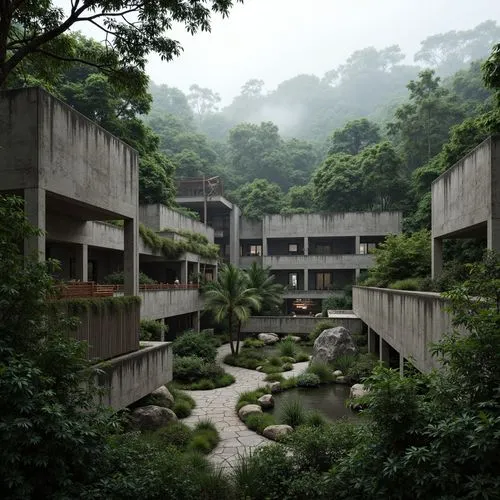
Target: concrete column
196,321
264,247
437,257
306,279
371,340
234,236
401,364
35,210
82,262
183,278
357,273
493,239
131,257
384,351
198,270
306,246
357,244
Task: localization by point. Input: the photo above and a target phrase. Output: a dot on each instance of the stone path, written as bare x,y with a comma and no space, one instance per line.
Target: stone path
218,405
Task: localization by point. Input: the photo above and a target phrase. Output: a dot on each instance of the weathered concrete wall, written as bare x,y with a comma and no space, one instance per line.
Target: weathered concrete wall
247,261
319,261
128,378
297,325
336,224
158,217
250,229
47,144
159,304
408,321
468,194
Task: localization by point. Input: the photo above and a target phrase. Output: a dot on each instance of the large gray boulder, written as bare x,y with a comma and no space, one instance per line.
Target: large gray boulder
268,338
333,343
247,410
357,391
163,397
276,432
266,401
152,417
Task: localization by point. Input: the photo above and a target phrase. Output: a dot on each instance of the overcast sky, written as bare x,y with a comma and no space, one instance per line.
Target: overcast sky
274,40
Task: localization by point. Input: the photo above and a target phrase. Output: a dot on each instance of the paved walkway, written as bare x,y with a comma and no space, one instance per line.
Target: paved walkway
218,405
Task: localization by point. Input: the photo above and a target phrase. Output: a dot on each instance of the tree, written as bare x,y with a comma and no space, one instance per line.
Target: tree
52,434
230,298
173,101
35,33
203,101
271,293
259,198
299,200
354,137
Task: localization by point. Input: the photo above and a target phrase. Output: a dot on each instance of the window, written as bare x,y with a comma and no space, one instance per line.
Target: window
256,250
323,281
293,280
293,248
365,248
323,250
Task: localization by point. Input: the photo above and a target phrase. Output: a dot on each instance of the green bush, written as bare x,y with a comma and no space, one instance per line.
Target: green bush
203,384
253,343
182,408
362,367
301,357
343,302
412,284
289,383
308,380
152,330
293,413
287,367
318,329
274,377
117,279
246,359
193,343
287,359
316,419
193,368
322,370
205,437
344,362
288,348
250,397
175,434
274,361
259,421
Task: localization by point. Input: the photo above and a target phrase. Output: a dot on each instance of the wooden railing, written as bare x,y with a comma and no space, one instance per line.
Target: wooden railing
84,289
162,286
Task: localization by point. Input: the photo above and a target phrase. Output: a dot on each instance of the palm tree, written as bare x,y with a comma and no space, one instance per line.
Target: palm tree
230,297
270,292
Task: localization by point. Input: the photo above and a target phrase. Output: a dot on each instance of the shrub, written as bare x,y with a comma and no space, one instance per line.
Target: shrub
152,330
274,377
274,361
182,408
316,419
322,370
293,413
414,284
286,359
289,383
193,343
205,437
287,367
255,343
250,397
203,384
343,302
117,279
175,434
246,359
301,357
267,368
308,380
318,329
344,362
193,368
288,348
363,366
181,395
259,421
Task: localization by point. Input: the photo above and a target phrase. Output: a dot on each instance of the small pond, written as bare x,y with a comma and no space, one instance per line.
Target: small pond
327,399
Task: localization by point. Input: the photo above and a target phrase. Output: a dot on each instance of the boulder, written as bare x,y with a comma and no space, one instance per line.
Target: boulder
358,391
248,410
333,343
275,387
294,338
259,368
163,397
337,373
276,432
152,417
342,380
268,338
266,401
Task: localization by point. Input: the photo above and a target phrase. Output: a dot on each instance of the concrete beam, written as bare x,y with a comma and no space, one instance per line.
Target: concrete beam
82,262
131,257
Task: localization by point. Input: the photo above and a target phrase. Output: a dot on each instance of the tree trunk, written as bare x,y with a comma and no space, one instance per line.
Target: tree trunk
238,338
230,320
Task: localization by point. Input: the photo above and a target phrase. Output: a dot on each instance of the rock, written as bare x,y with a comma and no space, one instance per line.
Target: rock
358,391
259,368
276,432
337,373
163,397
342,380
268,338
266,401
248,410
294,338
152,417
275,387
333,343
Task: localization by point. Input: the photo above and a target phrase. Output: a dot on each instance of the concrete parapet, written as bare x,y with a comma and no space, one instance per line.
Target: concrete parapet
128,378
158,304
346,261
408,321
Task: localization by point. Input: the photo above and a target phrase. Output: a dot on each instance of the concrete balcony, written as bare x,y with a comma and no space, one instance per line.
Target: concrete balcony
290,262
311,294
248,260
158,304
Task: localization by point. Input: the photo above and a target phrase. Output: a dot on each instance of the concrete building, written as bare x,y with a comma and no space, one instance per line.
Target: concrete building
80,186
313,255
466,201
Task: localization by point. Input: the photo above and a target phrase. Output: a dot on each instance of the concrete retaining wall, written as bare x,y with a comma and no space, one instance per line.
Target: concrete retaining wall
296,325
408,321
160,304
128,378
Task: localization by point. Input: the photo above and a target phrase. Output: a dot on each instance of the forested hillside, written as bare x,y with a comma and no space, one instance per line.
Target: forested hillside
370,134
